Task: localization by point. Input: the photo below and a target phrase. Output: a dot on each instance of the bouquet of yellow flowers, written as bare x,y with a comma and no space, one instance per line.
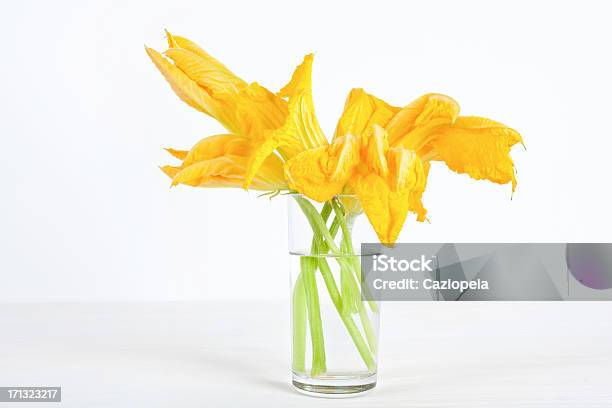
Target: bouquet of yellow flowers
379,154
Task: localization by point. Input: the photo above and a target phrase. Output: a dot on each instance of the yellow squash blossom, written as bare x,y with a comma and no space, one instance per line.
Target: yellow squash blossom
261,120
389,174
384,179
379,152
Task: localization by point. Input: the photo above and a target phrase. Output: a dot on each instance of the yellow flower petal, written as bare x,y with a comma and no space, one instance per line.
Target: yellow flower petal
373,193
409,173
386,209
361,112
181,84
261,149
415,203
201,67
403,165
228,171
477,146
322,173
300,131
176,41
304,173
191,93
220,161
413,123
215,146
217,80
343,156
170,171
374,148
206,84
259,110
179,154
387,197
301,79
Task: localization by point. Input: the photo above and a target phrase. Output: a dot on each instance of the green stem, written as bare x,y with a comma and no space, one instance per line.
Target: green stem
309,266
316,223
301,302
352,328
349,249
346,232
299,325
319,228
367,326
352,287
348,298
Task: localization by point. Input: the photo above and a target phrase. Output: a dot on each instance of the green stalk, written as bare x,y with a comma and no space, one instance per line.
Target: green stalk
319,227
367,326
352,328
316,223
325,213
348,299
299,325
300,304
321,232
348,247
309,266
349,286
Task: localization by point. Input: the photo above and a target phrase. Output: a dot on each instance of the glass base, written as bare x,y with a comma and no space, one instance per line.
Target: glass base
334,386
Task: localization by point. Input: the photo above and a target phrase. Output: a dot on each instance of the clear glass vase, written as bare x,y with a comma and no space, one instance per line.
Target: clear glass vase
334,332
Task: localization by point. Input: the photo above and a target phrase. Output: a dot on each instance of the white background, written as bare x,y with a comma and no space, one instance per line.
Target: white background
87,216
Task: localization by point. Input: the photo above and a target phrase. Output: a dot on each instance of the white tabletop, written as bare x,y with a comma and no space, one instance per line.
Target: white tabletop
236,354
